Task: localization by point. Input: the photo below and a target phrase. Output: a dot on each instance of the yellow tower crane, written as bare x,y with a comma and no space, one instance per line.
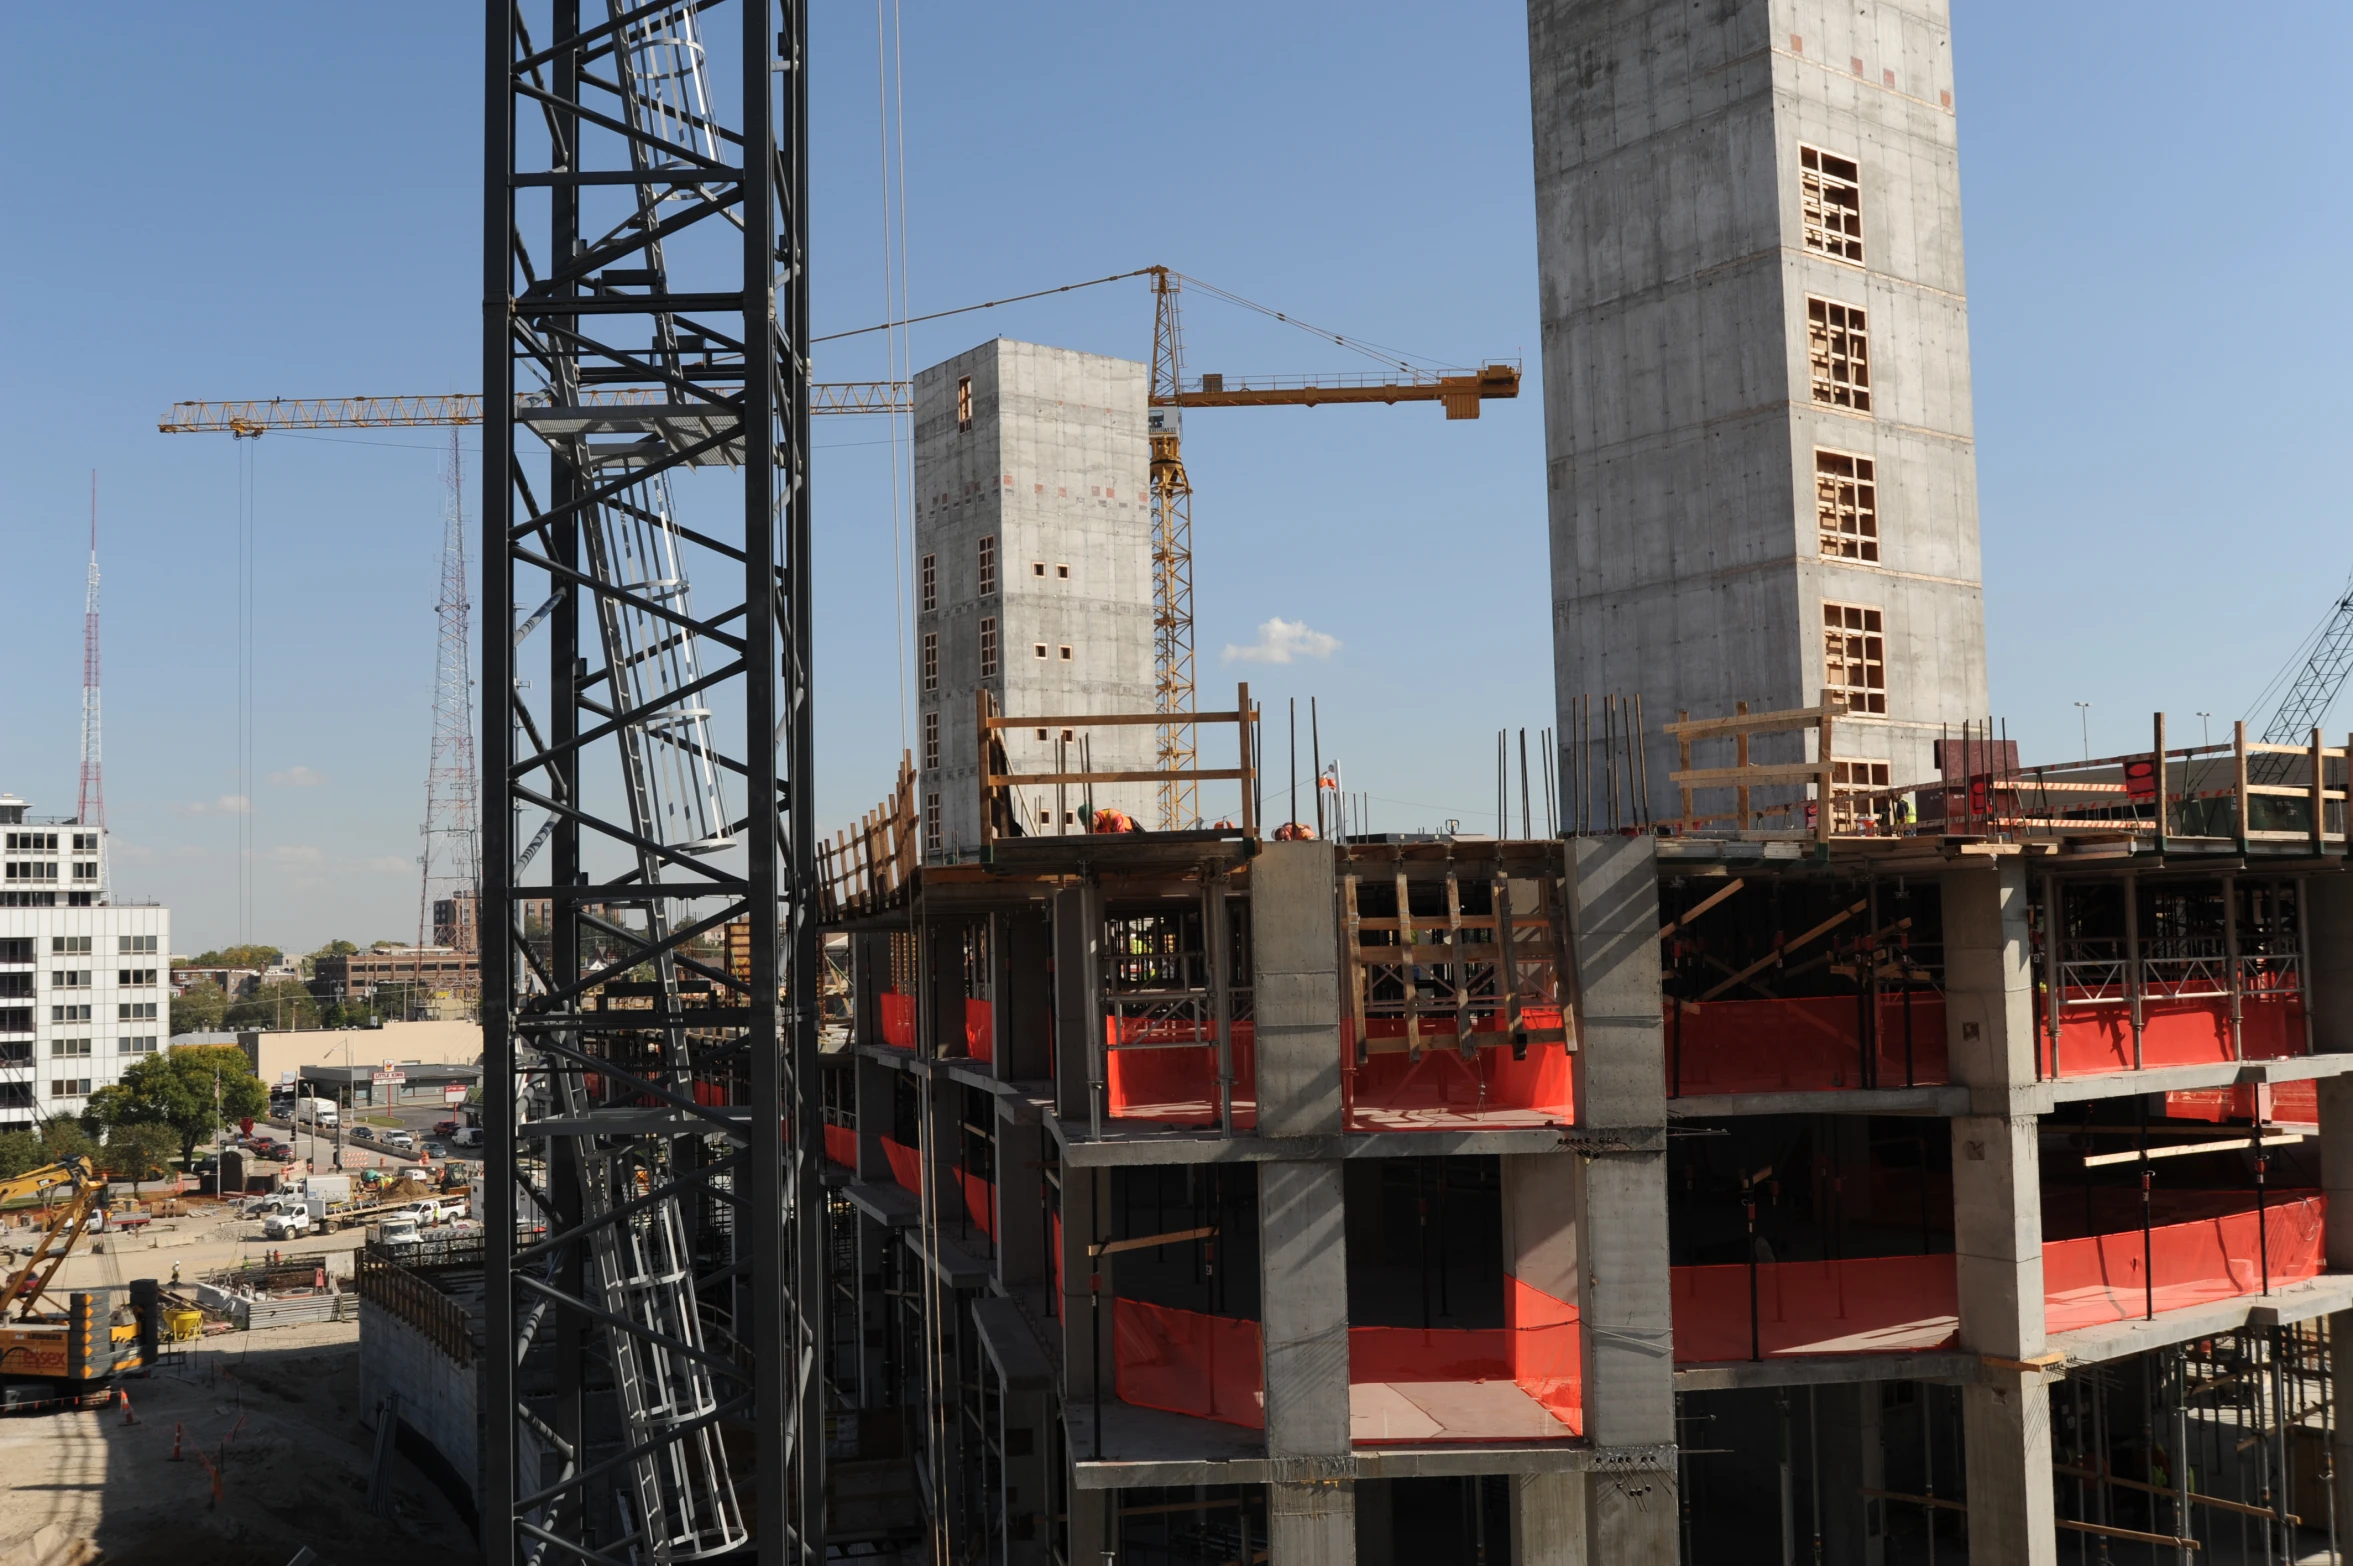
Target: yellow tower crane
1460,392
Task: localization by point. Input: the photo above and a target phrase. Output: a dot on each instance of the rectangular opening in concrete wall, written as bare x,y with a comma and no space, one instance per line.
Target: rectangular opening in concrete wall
1810,1235
1838,354
931,660
1831,197
932,832
1183,1316
1846,505
963,402
931,742
1854,656
986,566
927,573
988,647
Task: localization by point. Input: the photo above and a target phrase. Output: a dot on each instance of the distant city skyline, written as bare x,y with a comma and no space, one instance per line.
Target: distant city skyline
337,252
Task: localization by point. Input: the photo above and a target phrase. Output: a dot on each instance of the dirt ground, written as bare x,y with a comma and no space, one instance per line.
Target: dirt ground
277,1413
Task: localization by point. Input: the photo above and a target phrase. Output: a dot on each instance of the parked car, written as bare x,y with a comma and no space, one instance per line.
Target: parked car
363,1133
445,1128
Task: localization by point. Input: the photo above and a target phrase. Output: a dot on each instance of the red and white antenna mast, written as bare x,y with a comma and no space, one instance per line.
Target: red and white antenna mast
90,810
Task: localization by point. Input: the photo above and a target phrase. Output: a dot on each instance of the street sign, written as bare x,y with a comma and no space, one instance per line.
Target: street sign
453,1093
388,1077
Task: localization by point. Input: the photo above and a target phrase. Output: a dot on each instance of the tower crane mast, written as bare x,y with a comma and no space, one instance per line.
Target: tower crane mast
2318,682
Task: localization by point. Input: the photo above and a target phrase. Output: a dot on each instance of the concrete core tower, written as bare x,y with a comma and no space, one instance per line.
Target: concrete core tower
1756,366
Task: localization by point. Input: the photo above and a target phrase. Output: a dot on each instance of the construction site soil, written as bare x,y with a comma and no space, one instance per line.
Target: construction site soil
273,1457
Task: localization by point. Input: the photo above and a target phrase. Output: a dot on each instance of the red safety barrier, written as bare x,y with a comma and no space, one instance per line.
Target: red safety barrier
980,1202
1805,1044
2098,1038
1393,1092
1412,1354
2100,1279
1866,1305
906,1165
898,1019
1547,1356
1177,1086
841,1145
1183,1362
980,1029
2281,1103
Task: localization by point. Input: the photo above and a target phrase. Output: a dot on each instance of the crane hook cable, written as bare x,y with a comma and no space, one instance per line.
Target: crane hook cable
991,304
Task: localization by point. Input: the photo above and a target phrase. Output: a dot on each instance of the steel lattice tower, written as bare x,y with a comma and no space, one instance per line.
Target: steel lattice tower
90,806
654,1270
452,857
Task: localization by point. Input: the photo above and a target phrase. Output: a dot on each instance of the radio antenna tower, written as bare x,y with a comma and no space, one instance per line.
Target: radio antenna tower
452,858
90,808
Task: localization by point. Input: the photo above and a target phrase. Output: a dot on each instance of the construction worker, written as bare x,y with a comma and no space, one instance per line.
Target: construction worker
1294,832
1110,820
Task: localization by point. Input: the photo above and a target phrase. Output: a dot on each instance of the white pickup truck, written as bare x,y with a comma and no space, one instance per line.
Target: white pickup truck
286,1223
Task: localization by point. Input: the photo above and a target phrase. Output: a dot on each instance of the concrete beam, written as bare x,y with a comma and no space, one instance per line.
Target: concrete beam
1312,1523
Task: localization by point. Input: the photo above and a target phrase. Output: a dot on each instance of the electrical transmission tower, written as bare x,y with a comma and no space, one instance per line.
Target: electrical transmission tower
90,806
449,899
654,1211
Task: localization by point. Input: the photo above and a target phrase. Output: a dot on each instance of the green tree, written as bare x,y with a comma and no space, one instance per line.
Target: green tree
202,1010
251,956
176,1090
20,1151
64,1139
281,1004
139,1152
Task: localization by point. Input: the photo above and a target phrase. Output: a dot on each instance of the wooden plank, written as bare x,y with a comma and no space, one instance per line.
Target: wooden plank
1745,722
1507,963
1110,720
1710,901
1784,949
1356,959
1202,774
1413,1007
1725,777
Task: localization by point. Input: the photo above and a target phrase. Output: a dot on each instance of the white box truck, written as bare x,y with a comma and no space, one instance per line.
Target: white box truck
322,1112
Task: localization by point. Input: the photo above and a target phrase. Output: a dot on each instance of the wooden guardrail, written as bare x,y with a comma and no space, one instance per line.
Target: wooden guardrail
997,774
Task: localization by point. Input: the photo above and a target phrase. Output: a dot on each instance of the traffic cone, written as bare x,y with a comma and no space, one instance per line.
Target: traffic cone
175,1442
124,1395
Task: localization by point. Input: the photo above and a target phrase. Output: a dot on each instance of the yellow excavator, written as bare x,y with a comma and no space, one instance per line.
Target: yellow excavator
48,1357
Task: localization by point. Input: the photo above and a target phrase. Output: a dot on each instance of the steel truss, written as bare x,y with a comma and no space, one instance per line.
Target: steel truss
652,1389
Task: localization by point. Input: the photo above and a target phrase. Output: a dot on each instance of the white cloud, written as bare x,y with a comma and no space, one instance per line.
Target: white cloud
389,864
226,805
298,777
1283,641
296,854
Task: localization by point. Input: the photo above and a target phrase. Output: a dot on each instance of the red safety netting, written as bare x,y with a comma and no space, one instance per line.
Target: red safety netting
2288,1103
1411,1354
1177,1086
898,1019
980,1203
980,1029
841,1145
1183,1362
2099,1279
1802,1044
1393,1092
1867,1305
1547,1356
906,1165
2097,1038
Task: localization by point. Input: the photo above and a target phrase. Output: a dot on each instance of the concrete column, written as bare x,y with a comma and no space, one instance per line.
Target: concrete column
1092,1516
2336,1180
874,1084
1852,1459
1295,968
1022,1232
1311,1523
1078,1008
1548,1519
2328,946
1081,1355
1025,998
1997,1215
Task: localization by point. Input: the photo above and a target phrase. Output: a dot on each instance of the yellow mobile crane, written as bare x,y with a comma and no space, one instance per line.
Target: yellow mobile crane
70,1356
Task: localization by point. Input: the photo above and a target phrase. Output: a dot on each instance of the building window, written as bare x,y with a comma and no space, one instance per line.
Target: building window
1037,568
927,572
1062,572
138,1044
931,823
134,1011
1854,657
1846,505
132,977
69,1013
1038,649
69,1087
70,978
1859,774
85,842
988,647
136,945
1839,352
1066,655
30,870
931,660
931,742
69,945
963,402
988,565
1832,196
85,870
32,842
69,1049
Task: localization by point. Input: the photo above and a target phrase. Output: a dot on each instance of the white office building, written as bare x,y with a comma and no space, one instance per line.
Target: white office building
83,978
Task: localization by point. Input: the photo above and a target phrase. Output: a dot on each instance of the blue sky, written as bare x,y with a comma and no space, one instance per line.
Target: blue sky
283,200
